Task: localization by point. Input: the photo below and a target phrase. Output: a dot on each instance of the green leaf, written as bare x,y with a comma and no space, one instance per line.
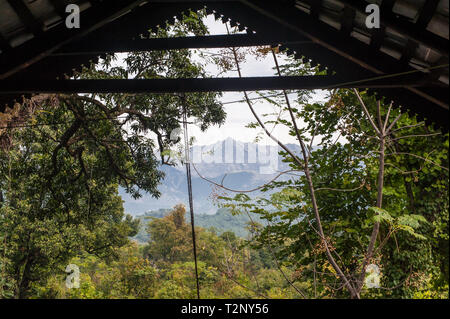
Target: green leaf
381,215
411,220
411,231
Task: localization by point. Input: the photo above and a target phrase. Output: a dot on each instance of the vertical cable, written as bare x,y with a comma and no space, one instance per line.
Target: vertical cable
189,184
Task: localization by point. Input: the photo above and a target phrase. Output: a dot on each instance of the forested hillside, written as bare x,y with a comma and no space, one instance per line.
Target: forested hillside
220,222
238,175
163,268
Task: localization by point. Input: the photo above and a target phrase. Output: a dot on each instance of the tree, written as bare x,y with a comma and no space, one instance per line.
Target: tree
318,222
56,204
170,238
63,158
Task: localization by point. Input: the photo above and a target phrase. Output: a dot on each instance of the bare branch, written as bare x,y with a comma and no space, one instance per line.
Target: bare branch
380,183
387,116
380,121
367,112
408,126
331,259
388,130
241,191
420,157
296,159
415,135
341,190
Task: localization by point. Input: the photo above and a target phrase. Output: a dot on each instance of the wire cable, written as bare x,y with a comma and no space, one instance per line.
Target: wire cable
189,185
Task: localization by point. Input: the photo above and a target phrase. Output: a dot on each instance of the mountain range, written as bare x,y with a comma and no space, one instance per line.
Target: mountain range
233,164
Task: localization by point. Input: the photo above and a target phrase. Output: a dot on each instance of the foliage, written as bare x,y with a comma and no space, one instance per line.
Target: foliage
411,251
63,158
226,268
220,222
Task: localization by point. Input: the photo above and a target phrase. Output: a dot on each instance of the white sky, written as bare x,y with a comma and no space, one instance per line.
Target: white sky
238,114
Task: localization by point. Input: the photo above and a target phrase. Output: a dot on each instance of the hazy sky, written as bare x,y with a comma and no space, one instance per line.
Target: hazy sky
238,114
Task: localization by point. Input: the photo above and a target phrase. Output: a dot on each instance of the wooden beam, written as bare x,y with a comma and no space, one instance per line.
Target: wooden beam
407,54
410,30
326,36
60,7
347,20
376,41
314,6
191,42
257,21
127,26
427,13
434,75
41,46
32,24
201,85
387,5
4,44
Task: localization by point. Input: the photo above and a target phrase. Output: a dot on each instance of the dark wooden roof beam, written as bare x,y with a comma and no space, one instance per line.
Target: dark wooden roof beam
41,46
387,5
4,44
408,52
378,35
347,20
427,13
60,7
411,30
315,6
192,42
32,24
347,47
434,75
202,85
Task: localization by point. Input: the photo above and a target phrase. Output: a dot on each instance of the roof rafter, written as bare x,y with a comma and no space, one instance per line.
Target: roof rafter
191,42
4,44
376,41
60,7
427,13
344,52
347,18
407,53
41,46
411,30
21,9
347,47
202,84
379,34
314,7
387,5
414,102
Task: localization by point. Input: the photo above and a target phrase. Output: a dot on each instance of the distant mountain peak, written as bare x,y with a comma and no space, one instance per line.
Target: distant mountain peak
245,167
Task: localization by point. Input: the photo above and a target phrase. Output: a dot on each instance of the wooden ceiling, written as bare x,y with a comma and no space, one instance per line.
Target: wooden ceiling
409,53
